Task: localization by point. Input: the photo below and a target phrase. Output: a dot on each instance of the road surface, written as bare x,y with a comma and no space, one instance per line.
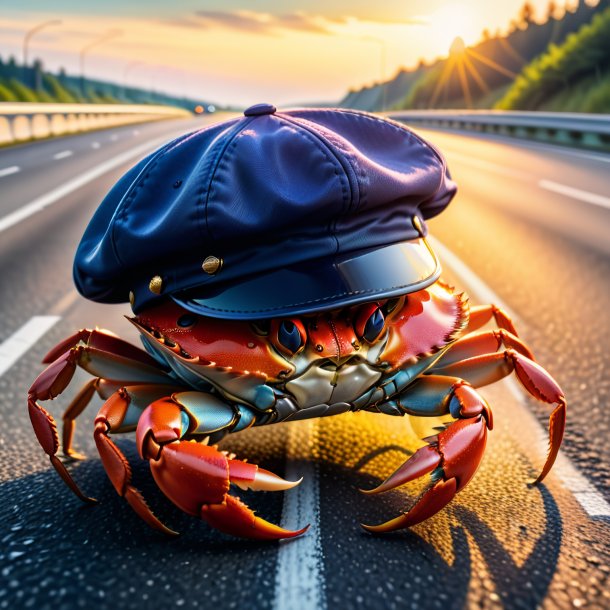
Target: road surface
529,228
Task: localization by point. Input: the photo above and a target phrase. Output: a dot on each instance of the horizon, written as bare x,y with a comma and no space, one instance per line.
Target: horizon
233,56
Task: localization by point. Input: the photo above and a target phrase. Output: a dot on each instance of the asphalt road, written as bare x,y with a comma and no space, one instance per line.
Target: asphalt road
541,248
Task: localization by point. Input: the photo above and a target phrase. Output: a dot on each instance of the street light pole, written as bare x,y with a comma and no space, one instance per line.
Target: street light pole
28,37
98,41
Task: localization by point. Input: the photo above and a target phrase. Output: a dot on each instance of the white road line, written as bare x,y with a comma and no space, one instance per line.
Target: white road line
63,154
95,144
587,496
299,582
574,193
55,195
136,132
7,171
20,341
114,137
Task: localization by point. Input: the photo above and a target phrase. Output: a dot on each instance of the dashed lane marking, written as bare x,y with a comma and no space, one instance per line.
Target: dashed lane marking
574,193
95,145
64,154
21,340
48,199
549,185
587,496
7,171
299,581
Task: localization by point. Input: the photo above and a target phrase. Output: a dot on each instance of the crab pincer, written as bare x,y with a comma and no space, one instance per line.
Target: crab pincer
196,477
452,457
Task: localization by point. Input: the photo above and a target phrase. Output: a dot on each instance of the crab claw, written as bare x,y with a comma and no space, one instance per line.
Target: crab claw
456,453
235,518
196,477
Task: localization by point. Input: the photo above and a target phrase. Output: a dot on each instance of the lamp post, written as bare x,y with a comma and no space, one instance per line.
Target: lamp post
110,34
28,37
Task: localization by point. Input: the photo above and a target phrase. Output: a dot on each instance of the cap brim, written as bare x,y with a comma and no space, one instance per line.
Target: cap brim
320,284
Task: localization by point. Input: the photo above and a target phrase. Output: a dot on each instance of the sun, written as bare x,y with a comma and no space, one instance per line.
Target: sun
454,20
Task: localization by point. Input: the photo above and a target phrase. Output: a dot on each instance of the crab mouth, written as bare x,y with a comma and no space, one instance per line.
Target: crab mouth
327,383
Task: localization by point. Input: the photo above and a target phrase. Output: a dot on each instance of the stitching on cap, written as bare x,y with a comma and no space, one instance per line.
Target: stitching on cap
324,141
321,144
403,128
389,122
216,163
129,196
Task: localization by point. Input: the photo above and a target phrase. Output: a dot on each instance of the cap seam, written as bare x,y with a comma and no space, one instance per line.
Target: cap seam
216,164
127,199
327,140
403,128
324,145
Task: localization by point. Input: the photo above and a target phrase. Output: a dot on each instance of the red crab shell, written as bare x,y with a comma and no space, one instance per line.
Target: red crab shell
418,324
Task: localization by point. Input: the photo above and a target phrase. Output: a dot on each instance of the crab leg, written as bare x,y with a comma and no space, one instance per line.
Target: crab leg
103,340
102,354
481,314
452,456
196,477
488,368
74,409
475,344
110,419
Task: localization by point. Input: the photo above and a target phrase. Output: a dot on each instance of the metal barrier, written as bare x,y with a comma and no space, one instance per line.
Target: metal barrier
591,131
26,121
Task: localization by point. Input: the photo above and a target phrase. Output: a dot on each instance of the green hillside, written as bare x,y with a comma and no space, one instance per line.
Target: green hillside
32,83
571,76
483,75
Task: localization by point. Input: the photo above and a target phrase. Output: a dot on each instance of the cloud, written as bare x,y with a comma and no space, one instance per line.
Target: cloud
268,24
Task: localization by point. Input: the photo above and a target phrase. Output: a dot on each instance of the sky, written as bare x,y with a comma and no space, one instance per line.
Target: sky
242,52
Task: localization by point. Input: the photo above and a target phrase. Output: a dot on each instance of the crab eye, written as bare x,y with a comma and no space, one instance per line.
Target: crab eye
289,336
370,322
186,320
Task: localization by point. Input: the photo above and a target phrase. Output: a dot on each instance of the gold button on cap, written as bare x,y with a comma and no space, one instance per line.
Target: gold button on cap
418,225
212,265
156,284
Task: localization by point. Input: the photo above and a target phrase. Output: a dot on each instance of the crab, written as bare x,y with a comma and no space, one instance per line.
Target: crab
201,378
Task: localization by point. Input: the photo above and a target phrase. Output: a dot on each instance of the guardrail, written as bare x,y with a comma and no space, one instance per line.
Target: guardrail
591,131
26,121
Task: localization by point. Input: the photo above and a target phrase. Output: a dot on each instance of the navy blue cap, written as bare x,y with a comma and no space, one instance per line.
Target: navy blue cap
268,215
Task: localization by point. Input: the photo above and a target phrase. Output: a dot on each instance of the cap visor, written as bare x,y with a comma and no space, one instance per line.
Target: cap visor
320,284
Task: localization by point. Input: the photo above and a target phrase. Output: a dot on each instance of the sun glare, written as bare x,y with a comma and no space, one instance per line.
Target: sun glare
455,20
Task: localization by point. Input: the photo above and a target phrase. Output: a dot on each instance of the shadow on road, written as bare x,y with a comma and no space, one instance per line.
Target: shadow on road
455,559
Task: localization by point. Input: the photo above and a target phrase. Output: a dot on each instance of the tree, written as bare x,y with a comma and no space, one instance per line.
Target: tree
526,15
